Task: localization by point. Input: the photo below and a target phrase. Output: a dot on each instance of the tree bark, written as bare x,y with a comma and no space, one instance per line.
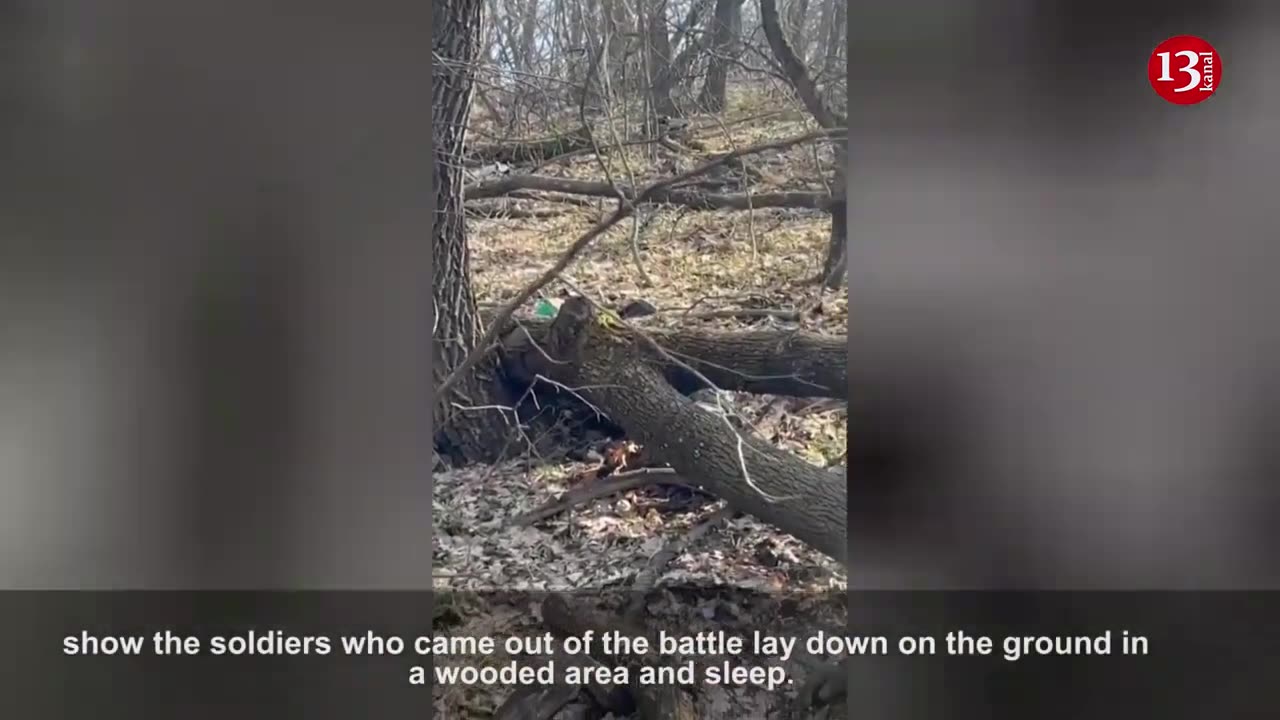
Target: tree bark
766,362
833,266
575,63
461,434
773,362
606,366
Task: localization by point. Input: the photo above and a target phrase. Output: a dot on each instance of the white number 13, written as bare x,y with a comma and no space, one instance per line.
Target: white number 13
1192,58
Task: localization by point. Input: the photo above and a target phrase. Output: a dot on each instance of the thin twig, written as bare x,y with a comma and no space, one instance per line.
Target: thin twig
621,482
647,578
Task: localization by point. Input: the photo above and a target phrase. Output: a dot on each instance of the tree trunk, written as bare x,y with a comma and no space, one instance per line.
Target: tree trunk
607,368
577,51
577,25
794,67
724,26
677,67
826,117
830,37
528,31
834,270
461,434
658,56
617,22
798,19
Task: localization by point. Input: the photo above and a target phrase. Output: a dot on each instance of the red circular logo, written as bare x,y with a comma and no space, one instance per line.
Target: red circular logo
1185,70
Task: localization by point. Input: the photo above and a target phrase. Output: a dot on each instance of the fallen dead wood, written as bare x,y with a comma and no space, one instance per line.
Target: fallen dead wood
610,368
549,150
530,150
772,362
610,486
555,198
669,196
745,313
768,362
500,213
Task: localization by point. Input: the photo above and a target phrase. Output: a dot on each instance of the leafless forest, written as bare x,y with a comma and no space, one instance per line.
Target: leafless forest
639,330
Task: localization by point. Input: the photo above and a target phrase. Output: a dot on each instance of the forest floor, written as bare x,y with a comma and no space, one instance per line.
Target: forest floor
695,265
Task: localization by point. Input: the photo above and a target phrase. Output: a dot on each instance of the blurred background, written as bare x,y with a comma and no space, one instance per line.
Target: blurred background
1064,358
213,314
1063,287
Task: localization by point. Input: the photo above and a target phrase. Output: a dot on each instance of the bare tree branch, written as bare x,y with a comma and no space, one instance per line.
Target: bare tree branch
488,342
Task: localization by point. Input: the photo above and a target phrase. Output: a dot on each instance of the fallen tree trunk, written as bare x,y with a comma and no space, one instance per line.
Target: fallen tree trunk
763,362
671,196
529,150
605,364
768,362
